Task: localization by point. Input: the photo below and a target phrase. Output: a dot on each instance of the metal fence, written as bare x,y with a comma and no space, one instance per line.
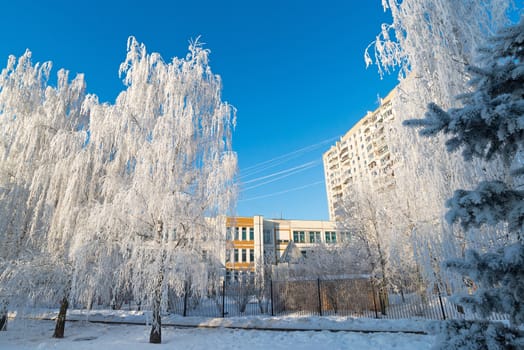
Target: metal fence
354,297
360,297
228,298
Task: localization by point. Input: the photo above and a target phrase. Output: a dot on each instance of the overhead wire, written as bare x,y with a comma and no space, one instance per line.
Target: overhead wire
280,174
259,167
287,173
304,165
281,192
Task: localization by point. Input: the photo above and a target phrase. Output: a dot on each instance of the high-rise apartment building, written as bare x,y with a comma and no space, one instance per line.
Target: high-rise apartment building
360,156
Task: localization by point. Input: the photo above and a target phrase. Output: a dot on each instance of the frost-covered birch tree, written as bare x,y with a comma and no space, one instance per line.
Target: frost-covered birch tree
41,134
169,172
101,201
430,44
489,125
365,214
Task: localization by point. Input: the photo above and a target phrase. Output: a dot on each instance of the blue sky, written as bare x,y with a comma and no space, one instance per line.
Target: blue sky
293,69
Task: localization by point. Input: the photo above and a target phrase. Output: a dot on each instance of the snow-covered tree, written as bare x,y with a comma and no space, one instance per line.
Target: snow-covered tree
361,217
41,135
100,201
430,44
169,168
490,125
372,220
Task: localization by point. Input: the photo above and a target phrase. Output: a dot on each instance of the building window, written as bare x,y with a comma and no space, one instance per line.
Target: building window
344,236
299,237
228,233
236,233
244,255
267,236
235,258
314,236
244,233
251,234
331,237
252,255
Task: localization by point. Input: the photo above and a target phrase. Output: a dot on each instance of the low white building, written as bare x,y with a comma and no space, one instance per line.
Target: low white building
255,242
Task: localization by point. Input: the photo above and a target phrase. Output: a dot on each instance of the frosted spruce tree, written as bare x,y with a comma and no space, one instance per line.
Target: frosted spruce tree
489,125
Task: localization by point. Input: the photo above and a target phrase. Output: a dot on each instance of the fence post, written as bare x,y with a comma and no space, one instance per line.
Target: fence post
319,298
223,297
271,286
374,300
185,299
441,304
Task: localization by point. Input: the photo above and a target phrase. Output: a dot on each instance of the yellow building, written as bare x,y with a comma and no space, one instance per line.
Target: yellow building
255,242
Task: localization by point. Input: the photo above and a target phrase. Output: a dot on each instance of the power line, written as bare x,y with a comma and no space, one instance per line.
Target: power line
304,165
282,192
259,167
280,177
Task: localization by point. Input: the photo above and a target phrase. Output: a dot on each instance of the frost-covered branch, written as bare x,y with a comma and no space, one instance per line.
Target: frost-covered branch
490,203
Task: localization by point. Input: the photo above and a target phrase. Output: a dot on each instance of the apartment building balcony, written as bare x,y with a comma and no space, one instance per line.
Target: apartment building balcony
379,141
333,166
348,180
382,150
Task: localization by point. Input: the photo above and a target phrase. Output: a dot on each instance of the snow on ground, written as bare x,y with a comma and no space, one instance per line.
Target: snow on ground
36,334
33,334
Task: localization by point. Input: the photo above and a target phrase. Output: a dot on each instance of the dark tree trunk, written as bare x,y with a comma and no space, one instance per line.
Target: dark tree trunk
3,321
3,315
155,337
61,319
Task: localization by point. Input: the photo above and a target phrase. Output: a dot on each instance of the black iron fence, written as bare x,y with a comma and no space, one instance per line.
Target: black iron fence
361,297
354,297
343,297
228,298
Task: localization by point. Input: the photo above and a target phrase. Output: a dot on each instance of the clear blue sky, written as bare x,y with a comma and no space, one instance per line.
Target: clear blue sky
293,69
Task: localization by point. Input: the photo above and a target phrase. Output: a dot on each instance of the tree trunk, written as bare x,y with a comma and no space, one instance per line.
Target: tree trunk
3,322
60,320
155,337
3,315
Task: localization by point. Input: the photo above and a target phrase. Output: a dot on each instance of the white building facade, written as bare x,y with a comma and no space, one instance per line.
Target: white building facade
255,242
361,156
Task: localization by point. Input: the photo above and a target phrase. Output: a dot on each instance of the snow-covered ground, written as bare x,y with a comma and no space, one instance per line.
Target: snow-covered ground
269,333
